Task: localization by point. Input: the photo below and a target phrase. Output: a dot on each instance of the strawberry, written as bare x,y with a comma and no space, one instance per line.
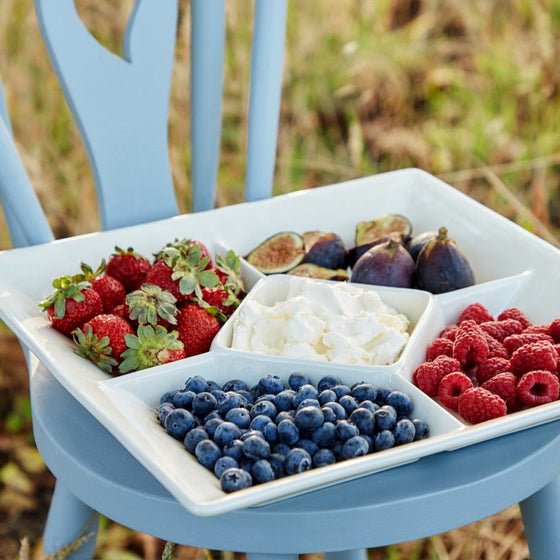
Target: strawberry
184,245
110,289
152,305
151,346
101,340
71,304
220,299
129,267
161,274
197,328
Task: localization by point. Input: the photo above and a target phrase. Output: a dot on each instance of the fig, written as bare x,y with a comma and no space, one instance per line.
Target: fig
441,266
310,270
277,254
354,253
385,264
325,249
418,242
390,224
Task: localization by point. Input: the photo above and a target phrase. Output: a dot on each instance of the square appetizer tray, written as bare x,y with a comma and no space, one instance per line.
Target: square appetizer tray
512,268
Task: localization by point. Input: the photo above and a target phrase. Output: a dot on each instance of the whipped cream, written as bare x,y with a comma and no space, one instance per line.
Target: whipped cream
329,322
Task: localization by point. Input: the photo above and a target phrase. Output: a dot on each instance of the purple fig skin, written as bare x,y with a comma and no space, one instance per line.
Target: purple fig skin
442,267
327,251
418,242
385,264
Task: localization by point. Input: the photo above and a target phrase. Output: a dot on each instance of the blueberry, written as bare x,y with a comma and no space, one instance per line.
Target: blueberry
422,429
207,452
265,407
328,382
308,402
226,432
285,415
383,440
193,437
213,385
328,414
178,422
266,397
235,385
382,394
276,461
218,393
211,426
326,396
324,435
363,418
371,406
288,432
259,422
203,403
364,392
340,390
234,449
262,471
163,410
349,403
239,416
281,449
336,448
355,446
271,384
246,464
338,410
248,433
369,440
256,447
224,463
196,383
401,402
284,400
310,446
297,461
324,457
235,479
345,430
297,379
309,418
305,392
247,396
385,418
230,400
168,396
270,432
211,416
404,431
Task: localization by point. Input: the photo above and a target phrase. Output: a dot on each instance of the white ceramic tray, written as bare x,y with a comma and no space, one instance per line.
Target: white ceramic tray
512,267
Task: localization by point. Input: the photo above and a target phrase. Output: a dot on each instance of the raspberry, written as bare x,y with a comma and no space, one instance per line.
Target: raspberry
504,385
475,312
428,375
491,367
470,346
449,332
439,347
538,387
515,341
554,329
533,356
539,329
478,405
501,329
451,387
514,313
495,348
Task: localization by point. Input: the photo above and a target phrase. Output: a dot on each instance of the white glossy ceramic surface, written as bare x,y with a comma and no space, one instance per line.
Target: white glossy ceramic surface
512,268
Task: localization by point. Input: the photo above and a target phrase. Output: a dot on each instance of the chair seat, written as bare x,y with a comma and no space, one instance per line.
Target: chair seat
442,491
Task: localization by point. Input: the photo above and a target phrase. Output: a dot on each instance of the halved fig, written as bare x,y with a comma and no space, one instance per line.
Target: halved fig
389,224
325,249
277,254
310,270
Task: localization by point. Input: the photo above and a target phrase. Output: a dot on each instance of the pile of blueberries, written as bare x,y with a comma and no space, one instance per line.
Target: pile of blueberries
250,435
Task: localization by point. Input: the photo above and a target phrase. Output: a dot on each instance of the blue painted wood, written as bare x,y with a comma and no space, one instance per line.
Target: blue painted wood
120,105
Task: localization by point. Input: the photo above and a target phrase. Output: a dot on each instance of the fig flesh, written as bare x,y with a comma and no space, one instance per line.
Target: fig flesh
278,254
385,264
310,270
325,249
418,242
389,224
442,267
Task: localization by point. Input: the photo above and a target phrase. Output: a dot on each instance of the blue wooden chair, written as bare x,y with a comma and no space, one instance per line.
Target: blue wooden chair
121,111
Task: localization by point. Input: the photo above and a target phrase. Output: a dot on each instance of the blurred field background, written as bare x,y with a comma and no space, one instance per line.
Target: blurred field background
468,91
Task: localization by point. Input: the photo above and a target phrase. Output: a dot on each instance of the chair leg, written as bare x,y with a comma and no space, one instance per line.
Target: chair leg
68,521
541,517
358,554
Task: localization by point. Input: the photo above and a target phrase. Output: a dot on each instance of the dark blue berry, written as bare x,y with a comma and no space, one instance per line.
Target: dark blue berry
326,396
163,410
401,402
271,384
284,400
385,418
288,432
338,410
383,440
184,399
364,392
235,385
239,416
178,422
259,422
404,431
247,396
211,426
230,400
226,432
371,406
297,461
224,463
308,418
248,433
256,447
276,461
167,397
262,471
235,479
324,457
285,415
196,383
328,414
207,452
270,432
265,407
340,390
349,403
422,429
305,392
297,379
308,402
213,386
363,418
345,430
193,437
324,435
382,394
310,446
355,446
234,449
281,449
328,382
211,415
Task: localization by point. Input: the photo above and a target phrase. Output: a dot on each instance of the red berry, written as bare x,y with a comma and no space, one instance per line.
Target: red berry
219,298
495,348
451,387
475,312
112,291
470,346
504,385
449,332
128,267
515,341
539,329
478,405
491,367
514,313
439,347
197,328
161,275
501,329
534,356
554,329
428,375
538,387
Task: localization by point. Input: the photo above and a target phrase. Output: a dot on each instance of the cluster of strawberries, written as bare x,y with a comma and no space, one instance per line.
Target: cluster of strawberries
484,368
132,313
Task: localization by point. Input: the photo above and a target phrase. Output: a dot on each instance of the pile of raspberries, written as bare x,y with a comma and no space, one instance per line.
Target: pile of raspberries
484,368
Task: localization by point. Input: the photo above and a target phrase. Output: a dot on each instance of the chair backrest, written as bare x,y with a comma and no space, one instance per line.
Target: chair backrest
120,105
